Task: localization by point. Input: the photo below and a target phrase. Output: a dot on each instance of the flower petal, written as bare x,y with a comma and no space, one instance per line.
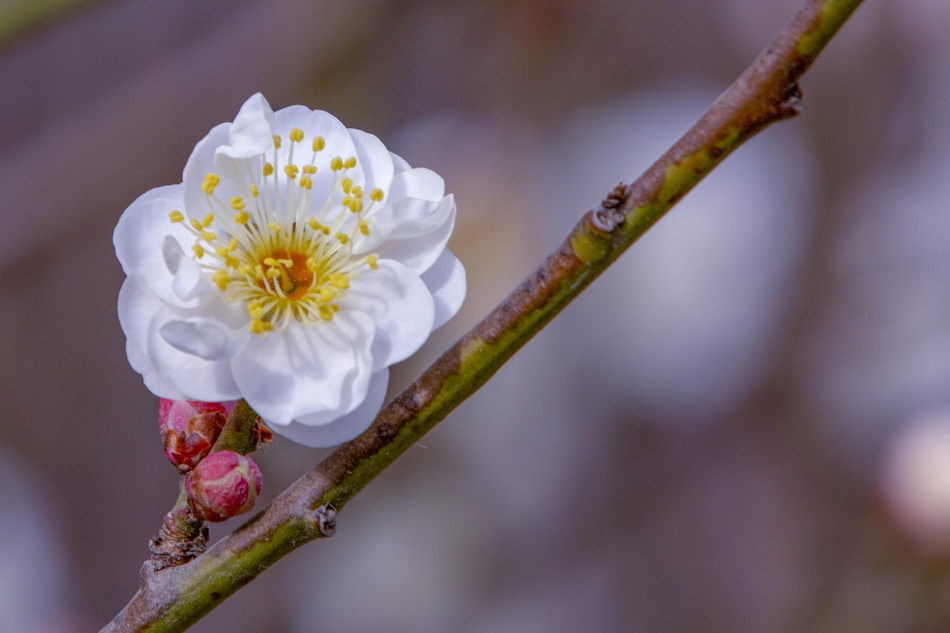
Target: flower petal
141,242
420,183
374,160
338,142
421,252
169,372
304,369
252,132
344,428
199,165
202,337
399,163
445,279
399,304
136,307
405,218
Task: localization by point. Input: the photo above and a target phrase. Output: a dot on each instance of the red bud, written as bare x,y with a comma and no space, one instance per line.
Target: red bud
190,428
223,485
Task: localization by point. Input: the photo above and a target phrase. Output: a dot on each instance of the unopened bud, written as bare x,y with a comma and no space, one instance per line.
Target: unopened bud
223,485
190,428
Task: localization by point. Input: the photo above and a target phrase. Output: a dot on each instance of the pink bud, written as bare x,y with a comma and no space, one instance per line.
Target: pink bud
190,428
223,485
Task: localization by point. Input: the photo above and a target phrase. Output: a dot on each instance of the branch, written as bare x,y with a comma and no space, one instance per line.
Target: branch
174,599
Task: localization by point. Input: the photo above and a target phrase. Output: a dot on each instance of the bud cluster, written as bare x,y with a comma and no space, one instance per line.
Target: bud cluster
222,484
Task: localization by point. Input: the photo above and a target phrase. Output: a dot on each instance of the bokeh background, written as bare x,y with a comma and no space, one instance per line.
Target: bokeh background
743,426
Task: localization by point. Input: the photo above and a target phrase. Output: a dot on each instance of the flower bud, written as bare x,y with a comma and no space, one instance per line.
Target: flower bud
190,428
223,485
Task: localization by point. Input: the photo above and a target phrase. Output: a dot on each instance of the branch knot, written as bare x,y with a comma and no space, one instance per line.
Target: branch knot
610,214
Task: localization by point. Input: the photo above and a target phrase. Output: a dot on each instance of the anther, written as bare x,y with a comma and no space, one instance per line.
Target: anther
318,143
273,226
343,237
200,252
372,260
277,141
254,191
242,217
357,192
306,182
336,164
208,236
376,195
346,183
237,203
268,169
340,280
208,219
196,225
364,227
309,169
296,135
350,162
176,216
316,226
291,170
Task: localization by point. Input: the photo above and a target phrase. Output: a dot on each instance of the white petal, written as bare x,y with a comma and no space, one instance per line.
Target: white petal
252,132
420,183
374,160
344,428
202,337
140,240
419,253
399,163
189,282
200,164
445,279
169,372
399,304
306,369
409,217
338,142
166,192
136,307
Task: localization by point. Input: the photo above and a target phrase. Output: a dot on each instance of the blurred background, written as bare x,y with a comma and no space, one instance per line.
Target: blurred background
743,426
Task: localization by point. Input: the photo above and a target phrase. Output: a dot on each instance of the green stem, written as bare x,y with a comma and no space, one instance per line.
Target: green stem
238,434
766,92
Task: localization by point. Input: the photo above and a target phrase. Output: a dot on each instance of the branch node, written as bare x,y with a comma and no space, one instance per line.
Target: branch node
181,539
791,104
325,519
610,214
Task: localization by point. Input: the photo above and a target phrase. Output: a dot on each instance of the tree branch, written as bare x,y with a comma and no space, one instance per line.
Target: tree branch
174,599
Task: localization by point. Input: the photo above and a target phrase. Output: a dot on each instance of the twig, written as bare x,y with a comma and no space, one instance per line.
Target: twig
174,599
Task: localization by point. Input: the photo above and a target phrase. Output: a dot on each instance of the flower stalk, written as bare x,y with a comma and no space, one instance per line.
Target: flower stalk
765,93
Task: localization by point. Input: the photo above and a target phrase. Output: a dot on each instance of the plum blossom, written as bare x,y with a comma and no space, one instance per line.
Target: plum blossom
295,263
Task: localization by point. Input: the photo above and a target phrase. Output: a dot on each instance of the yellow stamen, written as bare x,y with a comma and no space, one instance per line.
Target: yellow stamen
340,280
318,143
176,216
296,135
376,195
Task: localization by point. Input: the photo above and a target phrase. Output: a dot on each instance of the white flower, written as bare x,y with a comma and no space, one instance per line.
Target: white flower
297,260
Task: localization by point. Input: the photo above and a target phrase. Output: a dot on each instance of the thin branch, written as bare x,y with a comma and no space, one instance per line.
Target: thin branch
174,599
